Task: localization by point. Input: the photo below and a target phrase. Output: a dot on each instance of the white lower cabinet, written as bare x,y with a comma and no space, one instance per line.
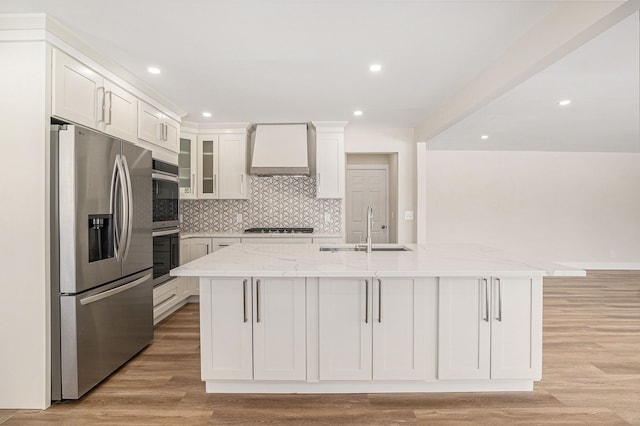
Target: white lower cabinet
256,329
345,329
374,328
279,350
490,328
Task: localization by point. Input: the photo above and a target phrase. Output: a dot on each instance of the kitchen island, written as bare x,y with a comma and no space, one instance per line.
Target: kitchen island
291,318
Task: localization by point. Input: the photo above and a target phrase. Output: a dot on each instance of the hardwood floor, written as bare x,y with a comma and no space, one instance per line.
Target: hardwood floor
591,375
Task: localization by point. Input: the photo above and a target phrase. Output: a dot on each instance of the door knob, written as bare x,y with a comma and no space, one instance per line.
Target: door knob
384,226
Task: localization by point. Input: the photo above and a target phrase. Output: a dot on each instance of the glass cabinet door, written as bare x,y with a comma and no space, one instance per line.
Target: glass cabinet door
207,171
187,166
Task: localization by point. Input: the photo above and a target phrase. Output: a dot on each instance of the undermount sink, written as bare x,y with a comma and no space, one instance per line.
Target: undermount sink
359,247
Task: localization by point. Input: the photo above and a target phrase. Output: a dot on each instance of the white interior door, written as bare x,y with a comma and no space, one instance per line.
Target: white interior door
367,186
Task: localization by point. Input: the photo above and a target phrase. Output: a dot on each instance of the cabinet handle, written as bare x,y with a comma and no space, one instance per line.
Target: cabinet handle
499,318
100,104
486,300
257,300
366,301
207,248
318,183
193,183
215,184
241,182
379,300
244,299
110,104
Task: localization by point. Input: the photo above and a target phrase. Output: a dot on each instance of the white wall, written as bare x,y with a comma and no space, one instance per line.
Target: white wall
579,207
24,306
391,141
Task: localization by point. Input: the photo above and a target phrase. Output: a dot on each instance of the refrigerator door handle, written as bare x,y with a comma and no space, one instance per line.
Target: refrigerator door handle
128,226
114,291
114,206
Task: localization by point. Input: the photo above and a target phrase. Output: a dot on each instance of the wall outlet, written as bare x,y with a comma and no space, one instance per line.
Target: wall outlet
239,218
327,217
181,218
408,215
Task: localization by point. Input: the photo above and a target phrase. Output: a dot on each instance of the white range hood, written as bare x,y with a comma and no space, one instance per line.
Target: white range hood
280,149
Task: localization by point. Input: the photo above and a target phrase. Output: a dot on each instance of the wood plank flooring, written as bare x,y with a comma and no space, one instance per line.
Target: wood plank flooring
591,376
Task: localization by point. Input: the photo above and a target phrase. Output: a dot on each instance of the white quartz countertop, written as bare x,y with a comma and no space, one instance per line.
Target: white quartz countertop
185,235
295,260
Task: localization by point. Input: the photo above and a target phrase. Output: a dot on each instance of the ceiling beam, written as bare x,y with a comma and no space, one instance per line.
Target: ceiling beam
566,28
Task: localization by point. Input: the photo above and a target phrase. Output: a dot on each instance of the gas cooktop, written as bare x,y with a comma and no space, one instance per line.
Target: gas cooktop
278,231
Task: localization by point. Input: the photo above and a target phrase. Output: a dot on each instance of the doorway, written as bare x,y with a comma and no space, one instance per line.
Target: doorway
370,181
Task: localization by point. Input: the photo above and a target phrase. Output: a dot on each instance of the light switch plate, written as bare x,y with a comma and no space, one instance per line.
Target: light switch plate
408,215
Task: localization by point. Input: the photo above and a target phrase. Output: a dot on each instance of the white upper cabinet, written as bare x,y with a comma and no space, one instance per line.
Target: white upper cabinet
83,96
232,166
78,91
120,112
157,128
328,151
490,328
222,166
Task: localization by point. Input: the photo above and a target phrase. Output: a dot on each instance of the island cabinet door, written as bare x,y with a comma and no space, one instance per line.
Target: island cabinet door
464,329
226,330
516,328
400,328
345,328
279,350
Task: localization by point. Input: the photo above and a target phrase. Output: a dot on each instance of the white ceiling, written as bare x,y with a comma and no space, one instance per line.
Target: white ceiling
301,60
601,78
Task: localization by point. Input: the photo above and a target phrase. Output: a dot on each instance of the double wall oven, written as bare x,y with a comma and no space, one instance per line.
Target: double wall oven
166,220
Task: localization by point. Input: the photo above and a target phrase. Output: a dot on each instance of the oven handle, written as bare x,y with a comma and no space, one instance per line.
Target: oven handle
168,178
165,232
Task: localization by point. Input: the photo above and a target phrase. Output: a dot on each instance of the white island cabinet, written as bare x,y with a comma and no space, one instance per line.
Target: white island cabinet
374,328
255,328
490,328
290,318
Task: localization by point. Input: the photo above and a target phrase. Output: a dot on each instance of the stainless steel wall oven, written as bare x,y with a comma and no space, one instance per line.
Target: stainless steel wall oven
166,219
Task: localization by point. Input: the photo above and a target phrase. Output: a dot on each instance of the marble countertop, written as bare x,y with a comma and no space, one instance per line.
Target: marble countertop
258,235
295,260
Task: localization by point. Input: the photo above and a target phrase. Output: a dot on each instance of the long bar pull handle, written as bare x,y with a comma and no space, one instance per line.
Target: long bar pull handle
486,300
241,182
379,300
499,318
114,291
100,104
257,300
113,207
110,105
193,183
244,299
366,301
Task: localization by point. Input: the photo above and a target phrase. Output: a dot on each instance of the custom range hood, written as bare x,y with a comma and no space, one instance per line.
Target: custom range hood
280,149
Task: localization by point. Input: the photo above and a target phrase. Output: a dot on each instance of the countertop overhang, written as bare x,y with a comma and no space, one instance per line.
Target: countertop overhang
306,260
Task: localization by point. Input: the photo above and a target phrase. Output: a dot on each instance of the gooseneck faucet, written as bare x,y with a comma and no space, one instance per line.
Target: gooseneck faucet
369,223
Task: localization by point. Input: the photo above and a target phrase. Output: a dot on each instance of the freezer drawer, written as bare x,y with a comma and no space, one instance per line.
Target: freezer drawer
102,329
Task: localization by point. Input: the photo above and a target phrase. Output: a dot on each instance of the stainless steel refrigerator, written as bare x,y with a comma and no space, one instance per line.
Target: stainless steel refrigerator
102,257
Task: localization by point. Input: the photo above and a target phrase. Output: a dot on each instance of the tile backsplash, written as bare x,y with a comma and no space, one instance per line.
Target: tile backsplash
276,201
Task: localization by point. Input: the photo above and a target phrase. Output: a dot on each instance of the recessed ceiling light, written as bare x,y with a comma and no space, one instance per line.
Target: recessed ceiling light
206,114
484,137
564,102
375,68
153,70
357,113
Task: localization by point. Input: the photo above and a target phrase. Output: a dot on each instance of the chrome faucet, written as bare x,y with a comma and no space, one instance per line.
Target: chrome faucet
369,223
